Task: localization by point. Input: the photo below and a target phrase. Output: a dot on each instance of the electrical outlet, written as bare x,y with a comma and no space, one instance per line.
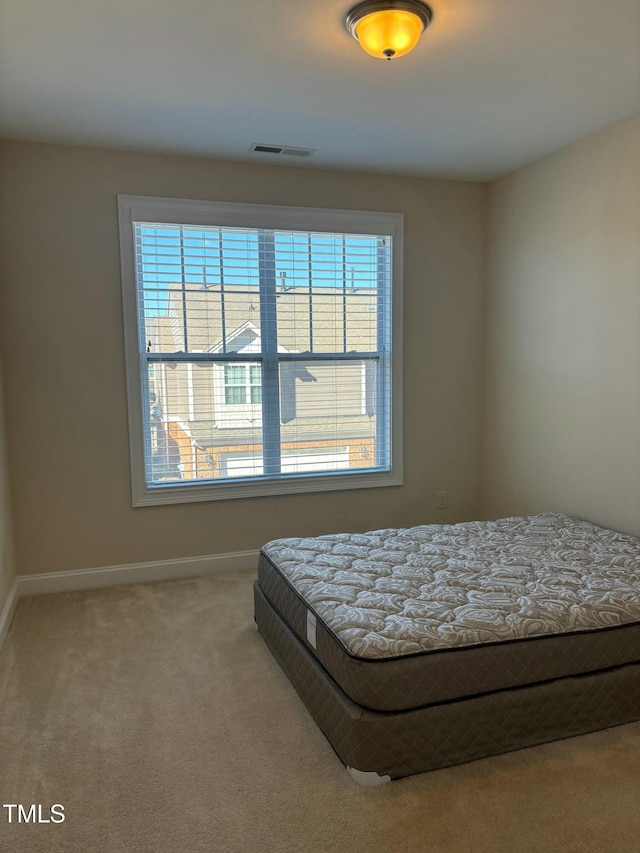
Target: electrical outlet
442,500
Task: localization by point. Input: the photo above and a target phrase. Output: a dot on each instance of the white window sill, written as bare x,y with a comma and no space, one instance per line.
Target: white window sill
176,494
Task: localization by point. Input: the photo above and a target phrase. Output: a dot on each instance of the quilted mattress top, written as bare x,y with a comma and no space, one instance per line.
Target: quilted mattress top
391,593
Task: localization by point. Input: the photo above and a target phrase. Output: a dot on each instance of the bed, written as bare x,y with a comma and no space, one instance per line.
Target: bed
424,647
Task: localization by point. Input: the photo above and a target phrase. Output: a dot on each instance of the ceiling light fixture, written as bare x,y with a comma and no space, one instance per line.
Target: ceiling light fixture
388,29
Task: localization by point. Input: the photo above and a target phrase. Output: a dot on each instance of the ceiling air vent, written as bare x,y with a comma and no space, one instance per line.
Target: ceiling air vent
282,150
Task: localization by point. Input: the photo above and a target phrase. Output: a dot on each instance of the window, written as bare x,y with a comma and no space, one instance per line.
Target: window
263,348
242,384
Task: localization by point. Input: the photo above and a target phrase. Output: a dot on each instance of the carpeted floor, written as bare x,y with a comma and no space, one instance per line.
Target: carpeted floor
158,718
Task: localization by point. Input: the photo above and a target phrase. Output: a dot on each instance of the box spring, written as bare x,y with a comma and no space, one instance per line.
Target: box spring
401,743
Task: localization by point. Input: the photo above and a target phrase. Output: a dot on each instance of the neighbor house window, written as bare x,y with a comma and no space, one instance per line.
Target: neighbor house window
263,348
242,384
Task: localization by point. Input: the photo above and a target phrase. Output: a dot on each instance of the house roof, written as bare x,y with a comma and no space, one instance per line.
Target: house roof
199,320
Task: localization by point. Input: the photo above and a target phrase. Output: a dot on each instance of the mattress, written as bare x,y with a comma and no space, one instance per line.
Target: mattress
377,747
404,618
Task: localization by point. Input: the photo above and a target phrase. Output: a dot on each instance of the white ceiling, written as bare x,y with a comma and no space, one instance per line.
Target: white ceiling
492,85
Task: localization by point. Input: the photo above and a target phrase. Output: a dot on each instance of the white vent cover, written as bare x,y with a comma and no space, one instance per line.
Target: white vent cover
282,150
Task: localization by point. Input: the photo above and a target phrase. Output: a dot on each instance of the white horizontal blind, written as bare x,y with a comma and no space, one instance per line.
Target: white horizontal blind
264,354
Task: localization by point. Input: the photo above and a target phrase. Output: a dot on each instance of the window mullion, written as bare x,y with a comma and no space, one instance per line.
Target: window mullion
310,293
223,313
270,366
146,399
344,294
383,439
183,281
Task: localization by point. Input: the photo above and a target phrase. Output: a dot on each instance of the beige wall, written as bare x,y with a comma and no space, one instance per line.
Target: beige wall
562,360
7,557
65,384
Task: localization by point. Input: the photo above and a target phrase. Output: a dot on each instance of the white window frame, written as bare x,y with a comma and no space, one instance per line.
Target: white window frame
133,209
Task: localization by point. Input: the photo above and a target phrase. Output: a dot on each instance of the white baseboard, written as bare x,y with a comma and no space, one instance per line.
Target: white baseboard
160,570
7,613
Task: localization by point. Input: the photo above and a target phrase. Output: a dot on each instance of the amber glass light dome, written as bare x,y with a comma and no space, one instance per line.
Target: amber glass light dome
388,30
390,34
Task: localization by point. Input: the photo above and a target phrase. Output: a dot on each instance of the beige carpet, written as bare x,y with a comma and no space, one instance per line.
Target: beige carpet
158,718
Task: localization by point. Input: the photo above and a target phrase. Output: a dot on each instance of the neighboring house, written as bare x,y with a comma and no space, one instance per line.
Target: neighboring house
206,419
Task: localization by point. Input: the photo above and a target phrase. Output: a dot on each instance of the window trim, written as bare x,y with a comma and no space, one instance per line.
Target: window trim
132,209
